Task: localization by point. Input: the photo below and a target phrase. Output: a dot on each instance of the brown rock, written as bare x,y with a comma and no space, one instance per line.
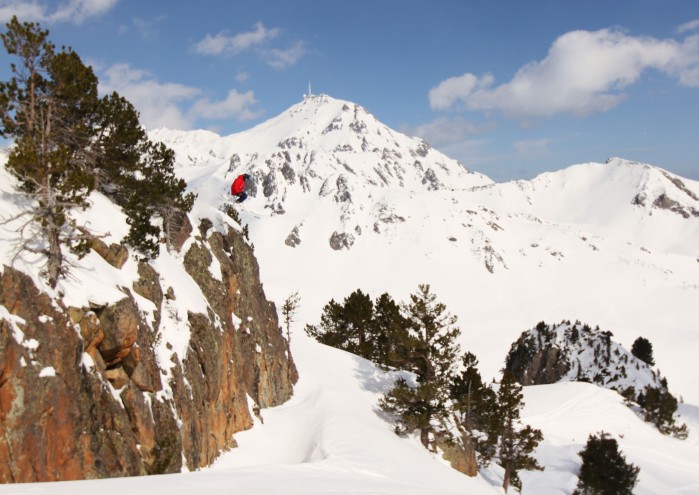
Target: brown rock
143,379
148,284
114,254
180,228
120,326
461,455
61,427
90,327
548,365
70,426
117,377
142,424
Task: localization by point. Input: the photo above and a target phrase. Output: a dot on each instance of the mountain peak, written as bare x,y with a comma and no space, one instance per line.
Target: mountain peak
326,147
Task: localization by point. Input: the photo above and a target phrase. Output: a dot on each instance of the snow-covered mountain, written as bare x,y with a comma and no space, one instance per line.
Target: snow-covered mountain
327,149
339,202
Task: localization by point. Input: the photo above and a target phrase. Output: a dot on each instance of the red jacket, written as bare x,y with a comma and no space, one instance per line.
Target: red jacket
238,185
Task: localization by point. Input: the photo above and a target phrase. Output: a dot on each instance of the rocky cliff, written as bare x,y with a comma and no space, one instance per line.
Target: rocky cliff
105,390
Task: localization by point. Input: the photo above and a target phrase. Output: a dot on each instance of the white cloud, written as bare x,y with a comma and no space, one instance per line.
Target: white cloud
584,72
686,67
158,103
688,26
235,105
533,147
469,152
222,43
242,77
74,11
281,59
444,130
26,11
145,28
258,40
450,91
173,105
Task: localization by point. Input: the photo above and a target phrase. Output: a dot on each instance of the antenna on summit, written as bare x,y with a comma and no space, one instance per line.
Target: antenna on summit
310,93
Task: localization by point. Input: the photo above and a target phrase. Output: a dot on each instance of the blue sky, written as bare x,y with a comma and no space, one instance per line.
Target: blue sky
510,88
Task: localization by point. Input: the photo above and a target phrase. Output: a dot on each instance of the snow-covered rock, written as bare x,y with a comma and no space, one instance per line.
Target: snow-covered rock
568,352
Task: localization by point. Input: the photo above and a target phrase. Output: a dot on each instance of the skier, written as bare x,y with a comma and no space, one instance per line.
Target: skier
238,187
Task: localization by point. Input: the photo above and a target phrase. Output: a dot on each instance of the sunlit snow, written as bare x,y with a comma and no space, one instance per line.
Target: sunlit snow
570,245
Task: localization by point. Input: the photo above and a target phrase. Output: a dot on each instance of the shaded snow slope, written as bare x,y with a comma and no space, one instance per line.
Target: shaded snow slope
567,413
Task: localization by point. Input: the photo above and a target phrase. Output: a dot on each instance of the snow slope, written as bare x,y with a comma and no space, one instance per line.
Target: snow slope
329,438
587,243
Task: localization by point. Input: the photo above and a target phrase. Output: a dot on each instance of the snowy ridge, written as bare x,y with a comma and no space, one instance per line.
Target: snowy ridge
619,199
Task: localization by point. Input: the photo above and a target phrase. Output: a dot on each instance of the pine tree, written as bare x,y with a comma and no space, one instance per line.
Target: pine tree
289,308
69,142
516,442
358,312
643,350
48,108
167,200
473,404
425,407
391,341
604,469
121,142
346,326
470,395
659,407
330,331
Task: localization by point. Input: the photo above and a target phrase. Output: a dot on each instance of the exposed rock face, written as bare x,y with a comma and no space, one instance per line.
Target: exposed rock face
83,394
341,240
115,254
293,239
461,455
58,419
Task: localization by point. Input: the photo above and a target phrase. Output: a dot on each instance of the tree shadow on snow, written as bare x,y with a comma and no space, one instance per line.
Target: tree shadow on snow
378,381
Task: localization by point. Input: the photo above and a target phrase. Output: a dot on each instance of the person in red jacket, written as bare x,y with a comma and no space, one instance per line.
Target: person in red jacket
238,187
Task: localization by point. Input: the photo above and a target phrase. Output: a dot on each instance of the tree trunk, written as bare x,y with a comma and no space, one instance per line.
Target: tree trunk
425,437
55,256
53,232
471,467
506,479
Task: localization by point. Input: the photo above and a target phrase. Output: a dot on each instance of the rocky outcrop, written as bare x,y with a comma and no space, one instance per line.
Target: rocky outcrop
577,352
91,392
59,417
115,254
293,239
461,454
341,240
